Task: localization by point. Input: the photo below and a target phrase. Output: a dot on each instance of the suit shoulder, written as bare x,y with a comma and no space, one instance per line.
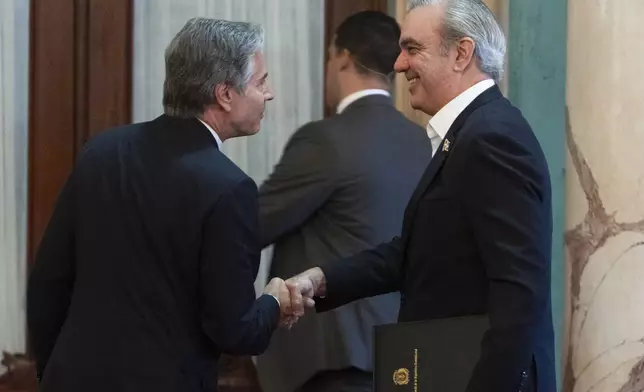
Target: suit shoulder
499,119
111,135
209,175
411,126
501,129
227,169
314,132
108,140
212,168
204,165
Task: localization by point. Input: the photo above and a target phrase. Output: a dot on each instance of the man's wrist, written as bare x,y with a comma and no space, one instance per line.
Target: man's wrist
276,299
319,280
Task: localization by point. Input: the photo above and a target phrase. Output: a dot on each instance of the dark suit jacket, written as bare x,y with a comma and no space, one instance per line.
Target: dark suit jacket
476,239
145,273
340,187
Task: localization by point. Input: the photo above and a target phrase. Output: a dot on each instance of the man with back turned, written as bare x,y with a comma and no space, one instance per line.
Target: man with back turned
340,187
145,274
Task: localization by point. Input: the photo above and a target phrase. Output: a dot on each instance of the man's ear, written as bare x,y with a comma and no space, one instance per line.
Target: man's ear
344,59
223,96
464,53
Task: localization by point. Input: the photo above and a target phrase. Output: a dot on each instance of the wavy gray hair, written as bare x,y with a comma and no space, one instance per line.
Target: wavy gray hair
203,54
473,19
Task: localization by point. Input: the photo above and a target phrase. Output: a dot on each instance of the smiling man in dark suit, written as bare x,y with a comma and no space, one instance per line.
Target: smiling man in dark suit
340,187
476,235
145,274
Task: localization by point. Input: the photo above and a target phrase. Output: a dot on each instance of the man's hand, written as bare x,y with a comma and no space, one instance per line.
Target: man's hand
278,289
303,288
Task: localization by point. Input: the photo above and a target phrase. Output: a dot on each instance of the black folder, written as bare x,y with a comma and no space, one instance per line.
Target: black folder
427,356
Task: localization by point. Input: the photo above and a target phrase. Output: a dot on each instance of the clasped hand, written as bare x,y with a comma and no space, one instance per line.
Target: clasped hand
296,294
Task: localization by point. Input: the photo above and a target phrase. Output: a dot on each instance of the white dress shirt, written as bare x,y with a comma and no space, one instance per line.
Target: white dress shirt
441,122
351,98
214,134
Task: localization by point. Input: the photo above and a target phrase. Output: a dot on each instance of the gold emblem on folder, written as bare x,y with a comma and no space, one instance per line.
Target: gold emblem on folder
401,376
446,145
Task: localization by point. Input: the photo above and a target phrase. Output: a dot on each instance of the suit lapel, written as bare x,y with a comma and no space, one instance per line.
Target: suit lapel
434,165
444,149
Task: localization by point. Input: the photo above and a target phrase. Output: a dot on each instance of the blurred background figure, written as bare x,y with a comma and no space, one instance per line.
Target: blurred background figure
341,186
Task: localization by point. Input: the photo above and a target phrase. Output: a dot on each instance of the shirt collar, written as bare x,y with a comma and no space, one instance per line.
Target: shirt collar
443,120
214,134
351,98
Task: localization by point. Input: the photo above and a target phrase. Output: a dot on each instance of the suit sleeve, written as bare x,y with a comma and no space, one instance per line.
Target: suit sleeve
369,273
51,280
300,183
506,197
237,323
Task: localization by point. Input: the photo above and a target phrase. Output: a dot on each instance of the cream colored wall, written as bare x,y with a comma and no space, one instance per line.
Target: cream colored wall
605,197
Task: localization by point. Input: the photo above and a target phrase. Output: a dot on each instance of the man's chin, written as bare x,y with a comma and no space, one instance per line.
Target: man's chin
415,102
254,130
246,132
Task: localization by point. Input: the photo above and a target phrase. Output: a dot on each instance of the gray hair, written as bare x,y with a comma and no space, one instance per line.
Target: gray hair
204,54
473,19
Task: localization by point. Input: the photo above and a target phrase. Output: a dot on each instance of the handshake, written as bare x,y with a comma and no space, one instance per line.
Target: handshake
296,294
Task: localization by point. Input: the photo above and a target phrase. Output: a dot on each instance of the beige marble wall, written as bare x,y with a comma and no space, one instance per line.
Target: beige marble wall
605,197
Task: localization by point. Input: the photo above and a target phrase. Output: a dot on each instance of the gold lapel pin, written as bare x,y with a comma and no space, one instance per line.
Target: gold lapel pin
446,145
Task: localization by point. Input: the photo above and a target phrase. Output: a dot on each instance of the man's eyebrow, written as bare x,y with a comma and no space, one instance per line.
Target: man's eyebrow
405,42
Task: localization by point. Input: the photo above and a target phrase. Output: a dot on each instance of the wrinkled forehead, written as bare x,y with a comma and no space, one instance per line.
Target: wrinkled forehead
422,25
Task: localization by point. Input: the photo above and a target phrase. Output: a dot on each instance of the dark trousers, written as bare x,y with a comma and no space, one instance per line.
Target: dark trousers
345,380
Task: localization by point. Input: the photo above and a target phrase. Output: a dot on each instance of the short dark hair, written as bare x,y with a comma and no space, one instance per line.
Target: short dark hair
371,37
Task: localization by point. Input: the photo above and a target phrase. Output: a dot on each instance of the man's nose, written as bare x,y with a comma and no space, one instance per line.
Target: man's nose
401,64
269,94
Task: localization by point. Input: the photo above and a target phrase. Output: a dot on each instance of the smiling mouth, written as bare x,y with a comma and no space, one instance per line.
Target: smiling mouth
413,81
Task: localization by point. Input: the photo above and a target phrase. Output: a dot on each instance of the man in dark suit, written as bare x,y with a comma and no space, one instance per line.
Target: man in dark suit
341,187
145,274
477,232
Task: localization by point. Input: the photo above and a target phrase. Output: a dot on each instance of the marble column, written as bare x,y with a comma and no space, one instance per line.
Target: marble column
605,197
14,46
537,81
